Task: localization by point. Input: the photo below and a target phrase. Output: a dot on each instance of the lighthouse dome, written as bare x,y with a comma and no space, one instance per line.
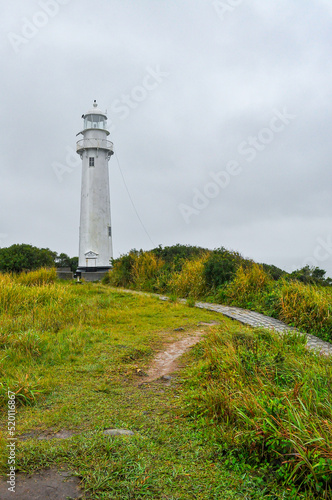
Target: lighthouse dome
95,110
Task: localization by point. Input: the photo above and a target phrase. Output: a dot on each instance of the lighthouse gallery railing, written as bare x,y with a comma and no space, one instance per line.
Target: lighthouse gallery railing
94,143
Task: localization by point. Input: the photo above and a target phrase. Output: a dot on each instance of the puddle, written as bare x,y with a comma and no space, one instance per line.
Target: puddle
43,485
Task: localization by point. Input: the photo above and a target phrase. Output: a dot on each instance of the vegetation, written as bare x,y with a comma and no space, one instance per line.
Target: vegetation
302,299
63,260
312,276
220,267
25,257
189,282
22,257
250,416
269,401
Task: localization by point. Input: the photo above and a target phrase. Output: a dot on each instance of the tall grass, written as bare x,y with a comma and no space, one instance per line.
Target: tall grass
266,398
16,297
42,276
31,305
145,268
307,307
271,400
248,285
189,282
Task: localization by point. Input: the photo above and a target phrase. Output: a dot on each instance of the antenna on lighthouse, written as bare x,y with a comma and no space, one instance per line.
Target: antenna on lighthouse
95,236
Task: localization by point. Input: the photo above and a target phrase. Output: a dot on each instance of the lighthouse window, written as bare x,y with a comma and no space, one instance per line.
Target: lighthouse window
95,121
91,162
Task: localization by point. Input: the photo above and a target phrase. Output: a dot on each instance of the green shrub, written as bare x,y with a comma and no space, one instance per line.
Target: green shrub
219,268
17,258
311,276
275,272
121,272
162,279
63,260
138,270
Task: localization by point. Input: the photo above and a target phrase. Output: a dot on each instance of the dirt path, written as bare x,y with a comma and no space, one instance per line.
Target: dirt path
167,361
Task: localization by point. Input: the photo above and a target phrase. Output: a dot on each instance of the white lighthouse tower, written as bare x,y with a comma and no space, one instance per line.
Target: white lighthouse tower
95,247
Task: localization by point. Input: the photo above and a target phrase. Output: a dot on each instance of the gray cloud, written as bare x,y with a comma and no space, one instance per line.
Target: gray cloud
225,79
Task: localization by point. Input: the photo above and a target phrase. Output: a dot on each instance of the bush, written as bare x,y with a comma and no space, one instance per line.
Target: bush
145,269
248,286
176,255
136,270
189,282
24,257
275,272
63,260
121,272
220,268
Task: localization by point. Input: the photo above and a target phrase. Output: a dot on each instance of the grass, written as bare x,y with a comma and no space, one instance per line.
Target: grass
307,307
73,354
270,402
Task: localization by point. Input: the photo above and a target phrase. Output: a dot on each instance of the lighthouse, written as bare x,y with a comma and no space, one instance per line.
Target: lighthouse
95,234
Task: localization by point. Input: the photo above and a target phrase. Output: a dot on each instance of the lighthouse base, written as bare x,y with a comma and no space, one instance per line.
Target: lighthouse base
91,273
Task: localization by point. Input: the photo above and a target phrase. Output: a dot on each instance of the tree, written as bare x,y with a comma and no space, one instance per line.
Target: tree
23,257
219,268
311,275
175,256
63,260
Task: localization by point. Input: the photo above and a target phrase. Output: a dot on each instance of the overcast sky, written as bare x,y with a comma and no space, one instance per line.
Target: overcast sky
220,113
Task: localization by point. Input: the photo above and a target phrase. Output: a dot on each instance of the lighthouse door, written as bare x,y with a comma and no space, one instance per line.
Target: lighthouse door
91,262
91,259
